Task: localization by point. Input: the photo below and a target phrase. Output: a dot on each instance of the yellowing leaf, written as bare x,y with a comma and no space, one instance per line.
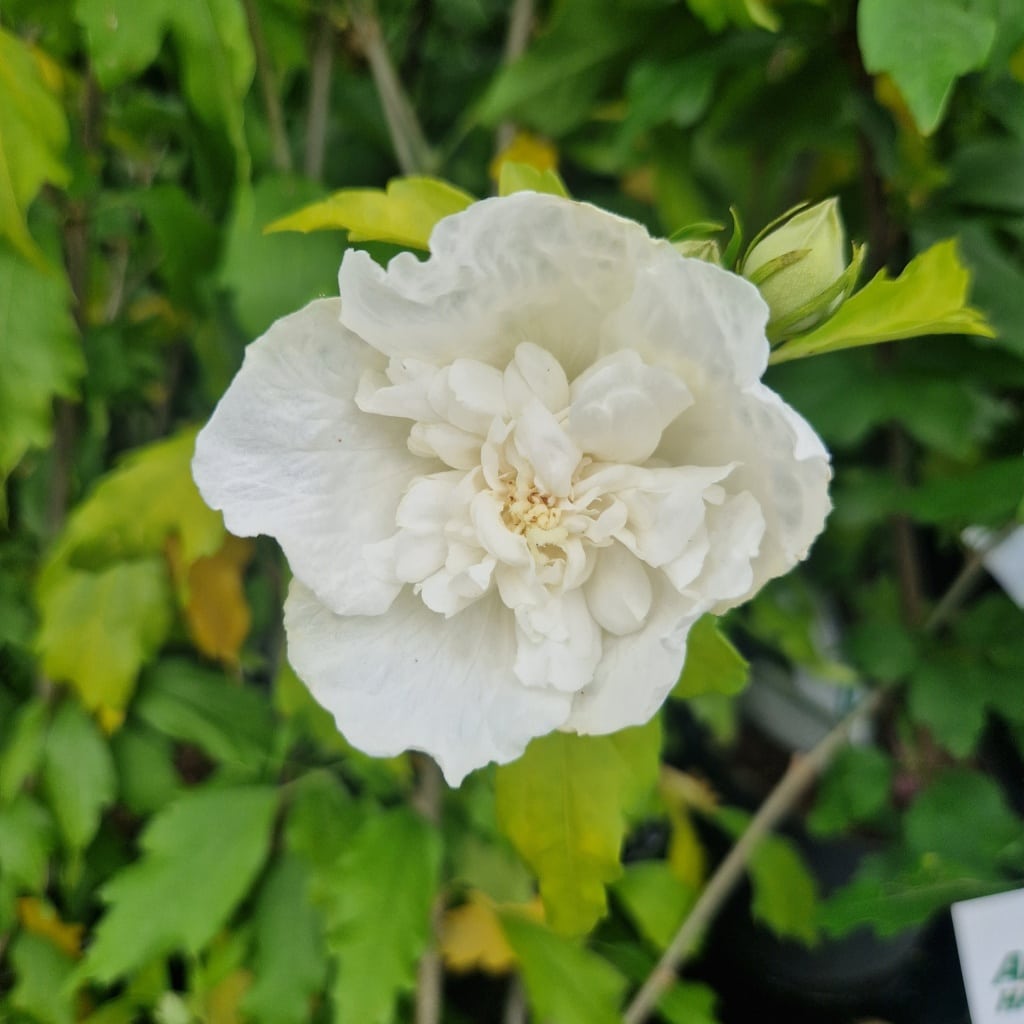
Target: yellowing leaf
98,628
524,178
526,148
33,134
223,1001
134,509
564,805
405,213
39,917
929,297
472,938
216,611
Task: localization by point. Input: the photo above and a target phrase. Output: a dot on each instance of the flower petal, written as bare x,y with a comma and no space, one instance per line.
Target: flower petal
287,453
558,643
412,680
621,405
618,591
637,670
548,448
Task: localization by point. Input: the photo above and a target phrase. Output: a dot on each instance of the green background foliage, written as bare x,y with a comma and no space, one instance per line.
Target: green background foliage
184,836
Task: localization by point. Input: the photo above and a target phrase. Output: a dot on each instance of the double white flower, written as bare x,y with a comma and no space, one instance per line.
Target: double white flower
508,479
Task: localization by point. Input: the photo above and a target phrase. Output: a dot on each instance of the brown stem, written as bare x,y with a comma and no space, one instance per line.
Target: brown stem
319,96
520,23
412,152
427,800
280,152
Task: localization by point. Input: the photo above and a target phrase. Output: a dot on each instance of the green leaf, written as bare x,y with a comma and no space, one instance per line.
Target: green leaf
855,788
564,982
147,777
785,893
942,698
290,964
655,900
136,507
712,664
39,352
27,836
33,135
525,178
42,971
78,774
926,45
929,297
271,275
24,750
378,916
212,41
895,891
963,817
404,213
564,805
99,628
199,857
718,14
988,494
231,723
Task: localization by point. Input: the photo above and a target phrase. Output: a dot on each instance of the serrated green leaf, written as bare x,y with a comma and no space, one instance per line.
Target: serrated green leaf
199,857
517,177
42,971
854,789
564,981
78,774
33,135
941,697
212,41
290,963
655,900
191,704
147,777
925,45
136,507
895,891
378,913
712,664
39,353
27,837
99,628
564,805
785,893
24,749
405,212
929,297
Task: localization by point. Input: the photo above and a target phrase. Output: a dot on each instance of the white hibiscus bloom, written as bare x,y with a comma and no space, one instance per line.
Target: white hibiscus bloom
508,479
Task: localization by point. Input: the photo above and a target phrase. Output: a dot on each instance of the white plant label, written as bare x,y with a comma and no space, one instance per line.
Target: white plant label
990,938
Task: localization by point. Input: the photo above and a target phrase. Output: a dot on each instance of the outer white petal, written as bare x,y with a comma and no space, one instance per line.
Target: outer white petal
523,268
636,671
412,680
779,460
287,453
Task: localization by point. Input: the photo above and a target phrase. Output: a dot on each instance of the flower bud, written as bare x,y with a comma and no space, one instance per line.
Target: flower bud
705,249
802,268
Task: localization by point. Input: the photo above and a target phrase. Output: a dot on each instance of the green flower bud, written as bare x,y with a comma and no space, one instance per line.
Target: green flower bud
705,249
802,268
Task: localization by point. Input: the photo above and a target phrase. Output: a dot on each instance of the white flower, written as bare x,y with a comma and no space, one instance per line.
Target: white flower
509,478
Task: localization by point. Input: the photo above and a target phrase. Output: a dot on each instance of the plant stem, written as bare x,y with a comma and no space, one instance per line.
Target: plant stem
427,801
411,149
520,22
802,771
515,1003
319,97
280,152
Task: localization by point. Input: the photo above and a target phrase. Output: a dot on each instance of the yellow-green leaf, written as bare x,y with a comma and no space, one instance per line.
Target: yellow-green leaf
132,511
405,213
564,805
929,297
517,177
99,628
33,135
712,664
